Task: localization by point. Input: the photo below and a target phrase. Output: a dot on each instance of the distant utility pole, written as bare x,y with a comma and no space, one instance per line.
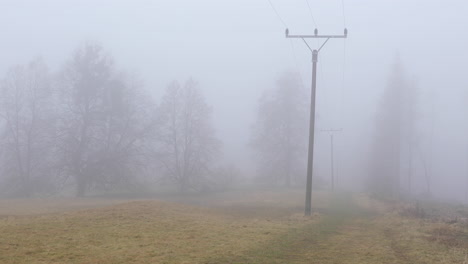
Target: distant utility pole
332,166
310,162
466,189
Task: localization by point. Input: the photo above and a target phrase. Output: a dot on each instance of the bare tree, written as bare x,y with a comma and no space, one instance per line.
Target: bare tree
104,121
187,143
126,133
83,90
280,132
26,108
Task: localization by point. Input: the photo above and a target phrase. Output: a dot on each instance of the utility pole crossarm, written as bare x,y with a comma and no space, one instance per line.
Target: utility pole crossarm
316,36
345,35
331,130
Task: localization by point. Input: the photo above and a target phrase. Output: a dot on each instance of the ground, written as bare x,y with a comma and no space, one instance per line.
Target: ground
247,226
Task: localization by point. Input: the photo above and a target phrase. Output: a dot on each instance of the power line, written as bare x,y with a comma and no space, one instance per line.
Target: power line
277,14
323,82
311,14
343,85
344,17
292,45
296,63
343,77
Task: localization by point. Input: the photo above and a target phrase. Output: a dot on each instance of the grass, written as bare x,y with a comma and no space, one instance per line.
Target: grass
293,245
246,227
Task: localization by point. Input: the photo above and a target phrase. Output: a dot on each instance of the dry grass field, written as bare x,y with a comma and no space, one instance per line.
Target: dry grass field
233,227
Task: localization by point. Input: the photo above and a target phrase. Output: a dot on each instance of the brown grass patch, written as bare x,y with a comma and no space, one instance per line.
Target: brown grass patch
18,207
139,232
229,228
451,235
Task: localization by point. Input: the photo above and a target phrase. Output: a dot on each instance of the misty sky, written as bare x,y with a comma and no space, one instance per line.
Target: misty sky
236,49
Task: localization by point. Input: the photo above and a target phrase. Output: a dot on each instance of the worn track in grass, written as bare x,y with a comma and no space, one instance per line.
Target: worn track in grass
252,228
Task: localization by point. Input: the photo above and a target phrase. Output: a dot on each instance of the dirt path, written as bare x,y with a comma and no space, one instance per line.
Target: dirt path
348,233
302,244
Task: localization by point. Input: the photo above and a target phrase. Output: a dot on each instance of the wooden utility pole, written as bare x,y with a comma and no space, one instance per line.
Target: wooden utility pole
310,161
332,166
466,189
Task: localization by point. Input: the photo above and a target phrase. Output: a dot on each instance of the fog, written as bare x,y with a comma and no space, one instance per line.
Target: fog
237,50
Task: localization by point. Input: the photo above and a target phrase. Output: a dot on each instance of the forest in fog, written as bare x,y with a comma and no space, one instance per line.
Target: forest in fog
142,98
93,127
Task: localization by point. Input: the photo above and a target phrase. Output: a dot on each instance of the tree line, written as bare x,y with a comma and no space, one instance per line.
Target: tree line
93,126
